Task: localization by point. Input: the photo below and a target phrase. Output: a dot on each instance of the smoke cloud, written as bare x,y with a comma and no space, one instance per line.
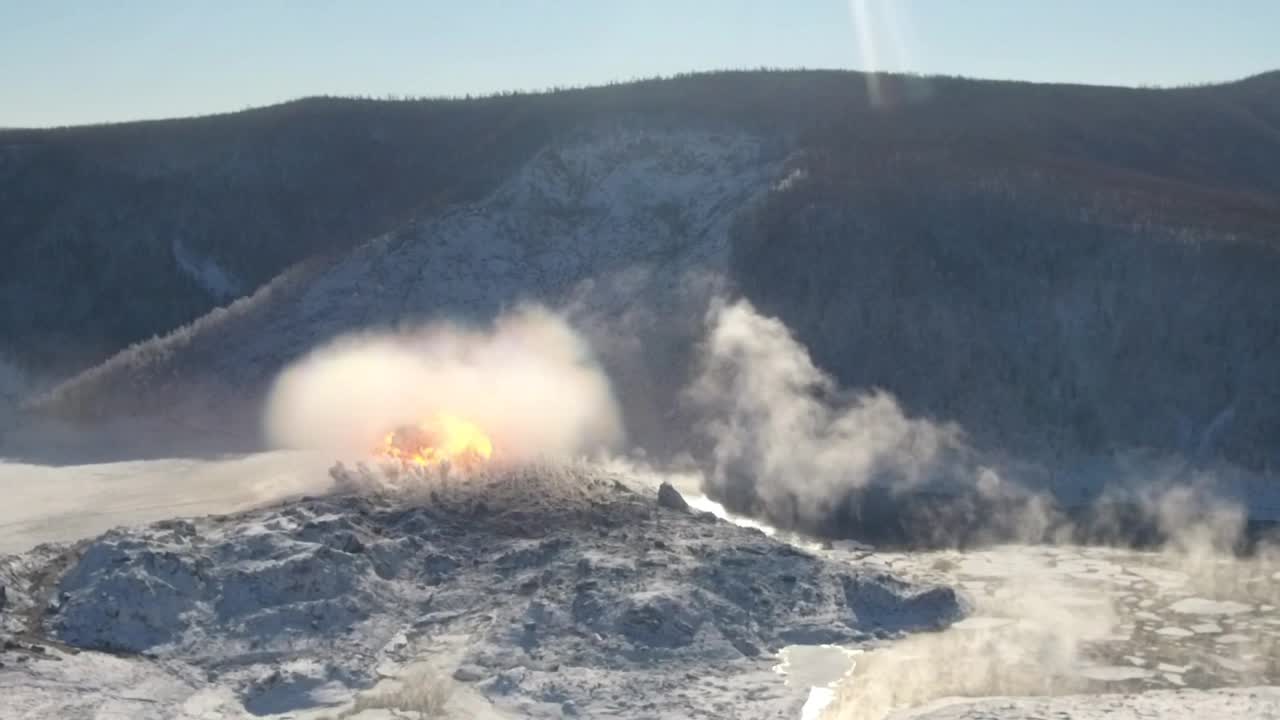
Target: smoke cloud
785,442
787,445
529,381
645,323
1039,630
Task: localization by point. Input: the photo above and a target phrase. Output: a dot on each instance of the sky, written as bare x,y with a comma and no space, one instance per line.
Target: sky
83,61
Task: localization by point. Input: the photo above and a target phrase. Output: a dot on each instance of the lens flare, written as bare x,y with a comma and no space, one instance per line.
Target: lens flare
883,39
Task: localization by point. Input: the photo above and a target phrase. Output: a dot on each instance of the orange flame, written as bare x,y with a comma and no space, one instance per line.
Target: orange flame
446,439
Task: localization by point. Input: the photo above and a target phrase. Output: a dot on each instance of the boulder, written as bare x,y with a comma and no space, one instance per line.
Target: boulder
670,498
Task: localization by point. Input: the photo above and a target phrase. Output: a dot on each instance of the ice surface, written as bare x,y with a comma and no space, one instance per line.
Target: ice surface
1202,606
1234,704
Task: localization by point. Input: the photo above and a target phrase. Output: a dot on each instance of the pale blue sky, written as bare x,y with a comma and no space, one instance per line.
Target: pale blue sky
76,61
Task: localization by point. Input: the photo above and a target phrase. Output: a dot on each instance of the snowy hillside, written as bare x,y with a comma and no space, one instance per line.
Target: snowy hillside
617,225
542,593
986,312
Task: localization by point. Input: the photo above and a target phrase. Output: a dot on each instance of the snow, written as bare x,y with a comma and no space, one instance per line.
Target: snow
706,504
1076,625
59,504
1202,606
591,208
1053,588
818,667
1234,704
1232,639
210,276
591,224
302,607
98,685
277,611
251,560
982,623
1110,673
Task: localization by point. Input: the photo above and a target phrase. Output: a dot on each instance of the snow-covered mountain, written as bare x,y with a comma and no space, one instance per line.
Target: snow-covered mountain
1068,274
619,226
1075,282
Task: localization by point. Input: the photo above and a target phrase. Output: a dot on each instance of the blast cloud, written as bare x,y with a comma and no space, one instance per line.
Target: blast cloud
529,381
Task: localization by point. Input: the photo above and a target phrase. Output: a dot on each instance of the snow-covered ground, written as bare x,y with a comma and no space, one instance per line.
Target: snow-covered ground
616,228
1073,633
1078,623
1229,704
545,592
1078,632
58,504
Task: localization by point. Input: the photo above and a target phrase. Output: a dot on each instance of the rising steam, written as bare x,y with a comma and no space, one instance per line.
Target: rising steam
529,381
785,442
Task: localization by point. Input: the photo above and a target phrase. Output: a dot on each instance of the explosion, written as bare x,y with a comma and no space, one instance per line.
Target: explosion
447,439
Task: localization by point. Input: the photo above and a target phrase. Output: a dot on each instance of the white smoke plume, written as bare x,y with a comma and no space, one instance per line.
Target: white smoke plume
529,381
785,442
787,445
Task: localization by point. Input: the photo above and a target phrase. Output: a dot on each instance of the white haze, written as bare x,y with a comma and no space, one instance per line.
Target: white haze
787,444
529,381
1053,622
784,441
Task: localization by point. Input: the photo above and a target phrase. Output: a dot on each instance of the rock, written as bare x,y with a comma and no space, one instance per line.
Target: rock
352,545
659,622
4,598
468,673
670,498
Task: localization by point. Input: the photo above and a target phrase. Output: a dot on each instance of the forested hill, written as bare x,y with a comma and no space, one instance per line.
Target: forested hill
1061,270
114,233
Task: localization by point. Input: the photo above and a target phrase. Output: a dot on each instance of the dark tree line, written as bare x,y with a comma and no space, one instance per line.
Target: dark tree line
1051,302
1055,266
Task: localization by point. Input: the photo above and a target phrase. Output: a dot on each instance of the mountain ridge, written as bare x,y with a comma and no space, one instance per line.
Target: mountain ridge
1048,246
252,192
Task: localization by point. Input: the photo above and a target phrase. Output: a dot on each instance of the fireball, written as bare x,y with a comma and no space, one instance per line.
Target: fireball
444,439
